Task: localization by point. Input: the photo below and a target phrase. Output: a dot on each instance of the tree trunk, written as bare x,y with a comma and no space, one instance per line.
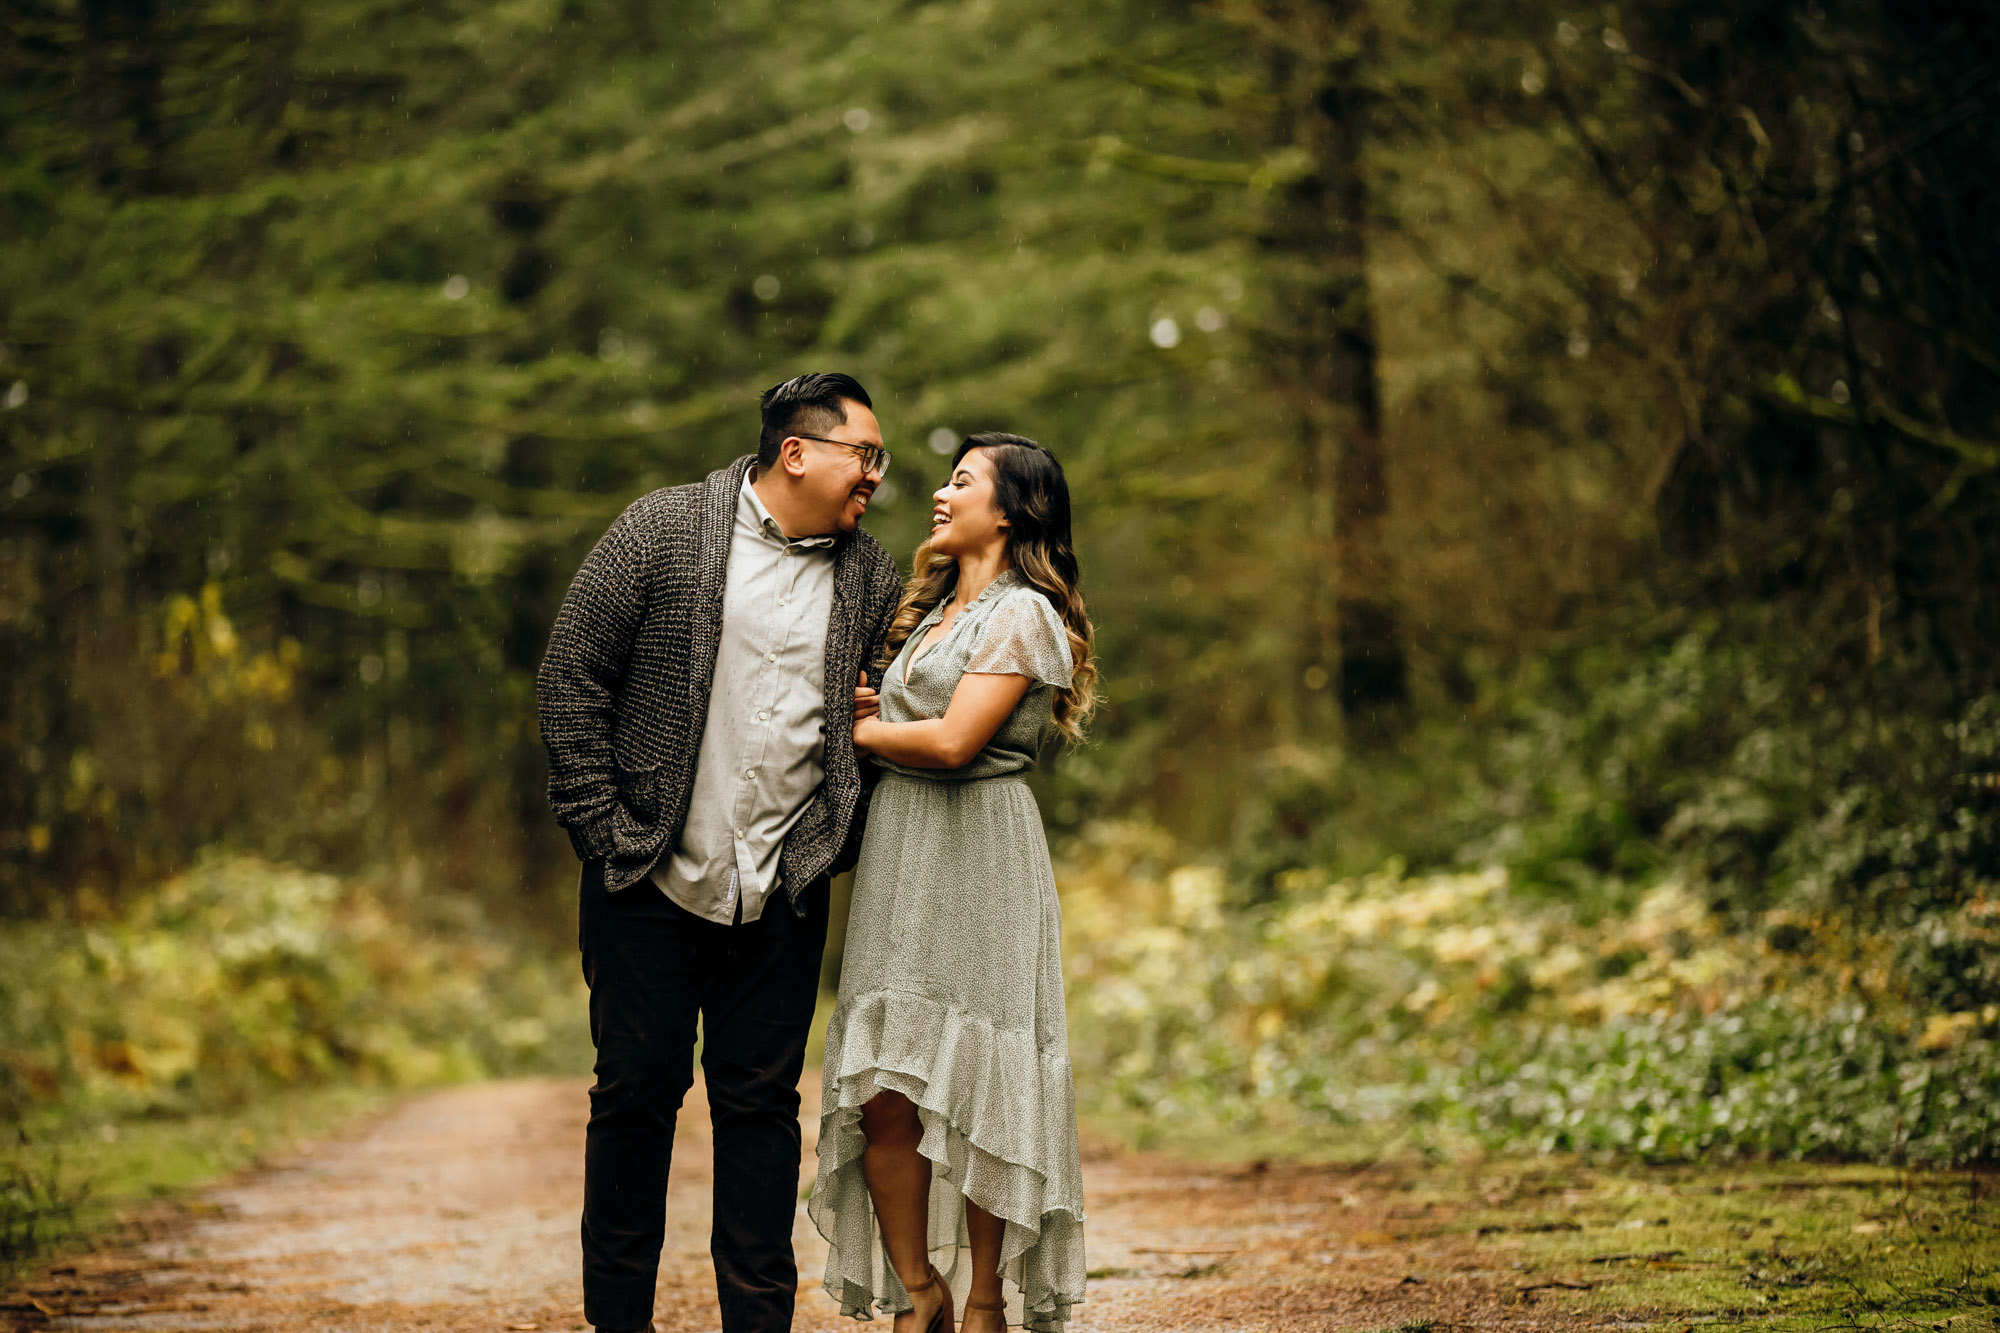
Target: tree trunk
1318,243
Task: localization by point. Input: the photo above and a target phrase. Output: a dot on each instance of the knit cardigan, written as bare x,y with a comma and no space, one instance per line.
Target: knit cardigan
622,693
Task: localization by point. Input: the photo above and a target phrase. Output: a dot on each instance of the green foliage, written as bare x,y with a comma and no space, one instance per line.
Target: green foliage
1769,1078
1721,753
1719,750
35,1207
1725,986
378,332
238,978
368,317
146,1046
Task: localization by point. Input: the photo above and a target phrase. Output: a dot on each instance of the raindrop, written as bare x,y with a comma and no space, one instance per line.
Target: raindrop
856,119
610,345
1615,40
1165,333
1531,82
943,440
1210,320
1839,392
1566,33
862,236
1579,346
1231,288
23,483
368,591
17,394
767,287
886,493
456,286
371,669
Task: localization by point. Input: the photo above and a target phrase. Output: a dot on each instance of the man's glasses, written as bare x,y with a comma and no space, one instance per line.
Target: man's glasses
874,458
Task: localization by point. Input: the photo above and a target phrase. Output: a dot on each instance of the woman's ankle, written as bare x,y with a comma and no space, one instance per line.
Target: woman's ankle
982,1314
926,1289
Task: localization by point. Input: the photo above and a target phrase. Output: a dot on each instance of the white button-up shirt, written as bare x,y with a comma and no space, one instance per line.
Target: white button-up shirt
762,746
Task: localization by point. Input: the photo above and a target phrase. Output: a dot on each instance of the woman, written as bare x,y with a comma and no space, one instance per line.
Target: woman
948,1120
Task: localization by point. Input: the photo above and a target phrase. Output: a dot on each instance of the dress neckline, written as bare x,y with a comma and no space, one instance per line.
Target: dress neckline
917,649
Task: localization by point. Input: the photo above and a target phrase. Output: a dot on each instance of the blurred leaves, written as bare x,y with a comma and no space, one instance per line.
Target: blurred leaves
372,317
239,976
373,320
1671,1032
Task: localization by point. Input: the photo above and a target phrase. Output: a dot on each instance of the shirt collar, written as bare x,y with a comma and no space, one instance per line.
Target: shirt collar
751,509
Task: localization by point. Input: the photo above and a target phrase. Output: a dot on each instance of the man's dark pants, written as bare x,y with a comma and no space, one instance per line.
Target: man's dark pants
652,967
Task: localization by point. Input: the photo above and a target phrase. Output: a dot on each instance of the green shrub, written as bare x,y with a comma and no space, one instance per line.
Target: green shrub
1721,753
35,1207
1765,1079
1670,1030
240,976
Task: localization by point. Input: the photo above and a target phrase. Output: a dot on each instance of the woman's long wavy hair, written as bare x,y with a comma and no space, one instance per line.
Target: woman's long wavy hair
1033,496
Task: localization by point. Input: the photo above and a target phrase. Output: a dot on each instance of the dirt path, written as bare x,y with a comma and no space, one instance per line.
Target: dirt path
457,1211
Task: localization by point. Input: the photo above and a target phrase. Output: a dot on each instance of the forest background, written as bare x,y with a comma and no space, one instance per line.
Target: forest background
1538,486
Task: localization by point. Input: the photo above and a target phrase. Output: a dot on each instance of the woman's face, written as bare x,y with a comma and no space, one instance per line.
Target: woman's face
964,518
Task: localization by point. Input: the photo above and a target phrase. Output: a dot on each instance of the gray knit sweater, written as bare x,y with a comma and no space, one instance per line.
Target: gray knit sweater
622,693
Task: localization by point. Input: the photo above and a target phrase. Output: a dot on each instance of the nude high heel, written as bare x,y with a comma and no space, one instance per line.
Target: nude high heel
1000,1305
941,1322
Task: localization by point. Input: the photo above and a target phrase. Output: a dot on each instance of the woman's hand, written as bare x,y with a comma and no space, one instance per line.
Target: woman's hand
866,729
867,712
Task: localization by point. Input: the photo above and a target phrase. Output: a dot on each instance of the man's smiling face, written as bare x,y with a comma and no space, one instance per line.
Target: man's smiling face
835,477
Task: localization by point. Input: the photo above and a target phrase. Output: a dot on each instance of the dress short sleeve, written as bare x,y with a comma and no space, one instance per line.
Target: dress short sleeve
1023,636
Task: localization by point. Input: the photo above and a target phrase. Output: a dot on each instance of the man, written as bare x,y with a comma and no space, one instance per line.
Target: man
697,702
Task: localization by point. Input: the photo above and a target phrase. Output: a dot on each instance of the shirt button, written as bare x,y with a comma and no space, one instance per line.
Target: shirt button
739,833
750,773
763,717
770,657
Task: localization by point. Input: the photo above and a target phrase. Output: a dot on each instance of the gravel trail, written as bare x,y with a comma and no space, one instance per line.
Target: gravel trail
457,1210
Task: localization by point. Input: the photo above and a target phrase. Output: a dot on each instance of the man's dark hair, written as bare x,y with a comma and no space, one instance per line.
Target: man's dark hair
808,404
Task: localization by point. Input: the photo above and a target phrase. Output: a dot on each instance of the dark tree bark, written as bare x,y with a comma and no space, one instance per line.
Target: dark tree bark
1317,242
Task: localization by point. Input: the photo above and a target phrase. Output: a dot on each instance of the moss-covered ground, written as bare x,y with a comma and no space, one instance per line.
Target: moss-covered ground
1783,1246
1774,1245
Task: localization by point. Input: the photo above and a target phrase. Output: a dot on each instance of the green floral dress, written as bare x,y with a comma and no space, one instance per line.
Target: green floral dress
951,986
